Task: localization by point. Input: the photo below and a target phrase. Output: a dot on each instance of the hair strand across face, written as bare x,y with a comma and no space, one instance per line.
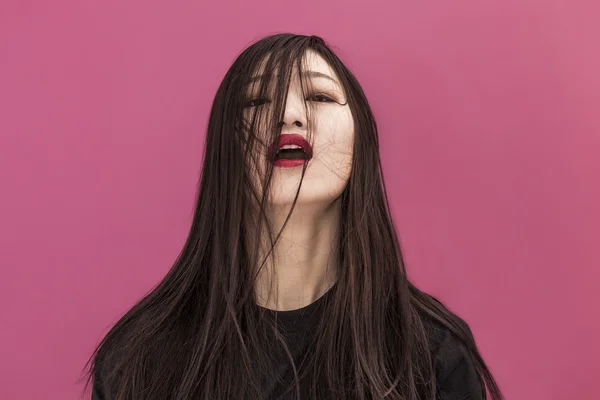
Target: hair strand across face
199,333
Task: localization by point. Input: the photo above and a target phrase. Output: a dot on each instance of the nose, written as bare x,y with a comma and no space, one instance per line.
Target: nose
294,110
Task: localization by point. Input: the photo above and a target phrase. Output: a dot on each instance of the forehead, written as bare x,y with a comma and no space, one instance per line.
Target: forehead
311,61
314,62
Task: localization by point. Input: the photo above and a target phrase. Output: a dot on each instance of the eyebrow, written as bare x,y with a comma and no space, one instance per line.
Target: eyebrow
311,74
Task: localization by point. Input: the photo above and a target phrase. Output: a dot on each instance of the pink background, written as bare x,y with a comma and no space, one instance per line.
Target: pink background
489,121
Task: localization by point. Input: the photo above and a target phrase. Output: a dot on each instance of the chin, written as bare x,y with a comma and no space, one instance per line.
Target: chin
314,192
320,200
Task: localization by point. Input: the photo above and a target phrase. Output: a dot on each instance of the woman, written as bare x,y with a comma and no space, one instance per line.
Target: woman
291,283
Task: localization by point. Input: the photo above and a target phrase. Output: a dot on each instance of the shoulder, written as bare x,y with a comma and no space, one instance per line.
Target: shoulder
97,392
103,376
456,374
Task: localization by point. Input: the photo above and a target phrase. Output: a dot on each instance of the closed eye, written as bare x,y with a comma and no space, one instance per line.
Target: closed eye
318,98
255,103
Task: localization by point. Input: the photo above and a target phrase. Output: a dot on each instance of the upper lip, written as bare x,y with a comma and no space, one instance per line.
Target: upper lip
287,139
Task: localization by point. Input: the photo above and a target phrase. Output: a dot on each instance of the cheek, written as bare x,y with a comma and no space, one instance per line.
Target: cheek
335,139
257,153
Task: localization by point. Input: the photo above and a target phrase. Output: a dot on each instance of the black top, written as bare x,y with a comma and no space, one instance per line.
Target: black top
456,375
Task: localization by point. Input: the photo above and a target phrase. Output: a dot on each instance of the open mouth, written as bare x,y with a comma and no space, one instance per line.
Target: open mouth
290,148
291,152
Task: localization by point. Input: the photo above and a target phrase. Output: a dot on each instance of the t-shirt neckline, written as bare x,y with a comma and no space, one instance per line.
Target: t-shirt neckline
300,318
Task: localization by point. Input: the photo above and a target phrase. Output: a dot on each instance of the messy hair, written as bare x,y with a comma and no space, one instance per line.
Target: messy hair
199,333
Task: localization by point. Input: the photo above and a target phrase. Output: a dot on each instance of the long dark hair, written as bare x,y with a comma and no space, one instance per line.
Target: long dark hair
199,333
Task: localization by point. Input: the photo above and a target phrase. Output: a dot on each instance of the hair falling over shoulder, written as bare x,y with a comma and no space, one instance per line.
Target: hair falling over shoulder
200,326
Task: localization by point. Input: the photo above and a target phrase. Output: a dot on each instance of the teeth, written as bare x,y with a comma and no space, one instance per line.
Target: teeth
290,146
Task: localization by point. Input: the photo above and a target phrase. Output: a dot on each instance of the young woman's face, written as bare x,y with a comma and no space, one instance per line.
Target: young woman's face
332,136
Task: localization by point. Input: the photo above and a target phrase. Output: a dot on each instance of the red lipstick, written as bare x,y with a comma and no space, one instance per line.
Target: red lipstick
289,139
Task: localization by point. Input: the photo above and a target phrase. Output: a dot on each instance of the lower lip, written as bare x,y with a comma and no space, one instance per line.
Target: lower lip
288,163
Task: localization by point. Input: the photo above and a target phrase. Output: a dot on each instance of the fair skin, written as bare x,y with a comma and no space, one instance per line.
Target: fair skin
305,262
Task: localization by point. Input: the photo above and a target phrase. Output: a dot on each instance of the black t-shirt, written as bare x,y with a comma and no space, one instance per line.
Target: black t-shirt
456,375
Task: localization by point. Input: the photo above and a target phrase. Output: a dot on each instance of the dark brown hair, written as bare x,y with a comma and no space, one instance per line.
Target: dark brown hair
199,333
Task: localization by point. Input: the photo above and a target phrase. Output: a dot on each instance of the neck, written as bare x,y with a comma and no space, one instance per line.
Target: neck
304,262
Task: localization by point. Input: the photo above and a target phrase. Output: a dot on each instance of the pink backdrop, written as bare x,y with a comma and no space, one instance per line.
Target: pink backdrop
490,136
